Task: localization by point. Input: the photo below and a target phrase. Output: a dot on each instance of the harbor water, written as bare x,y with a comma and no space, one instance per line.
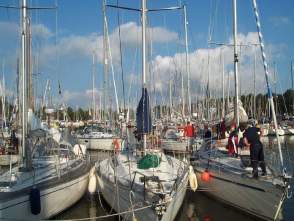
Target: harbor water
198,206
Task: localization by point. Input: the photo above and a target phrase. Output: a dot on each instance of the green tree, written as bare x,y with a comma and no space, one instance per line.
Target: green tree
289,100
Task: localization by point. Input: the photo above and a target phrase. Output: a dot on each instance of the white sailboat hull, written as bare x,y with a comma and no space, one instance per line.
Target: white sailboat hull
123,203
272,132
5,160
289,131
99,143
179,146
173,145
54,200
246,194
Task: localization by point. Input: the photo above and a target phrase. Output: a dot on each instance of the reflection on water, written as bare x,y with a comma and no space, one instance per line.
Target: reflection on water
198,206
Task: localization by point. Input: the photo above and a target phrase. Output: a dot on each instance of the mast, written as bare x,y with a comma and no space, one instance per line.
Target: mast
24,70
270,96
228,90
292,86
93,87
208,91
170,98
187,62
144,42
30,91
144,57
254,86
183,96
236,109
275,80
223,84
105,62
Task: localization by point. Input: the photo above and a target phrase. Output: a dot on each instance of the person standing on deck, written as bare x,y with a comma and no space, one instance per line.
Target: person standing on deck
189,132
233,141
223,129
207,133
252,139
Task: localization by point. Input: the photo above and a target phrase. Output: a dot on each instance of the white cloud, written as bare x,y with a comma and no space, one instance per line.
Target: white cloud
79,46
168,67
12,29
8,28
280,20
41,31
81,98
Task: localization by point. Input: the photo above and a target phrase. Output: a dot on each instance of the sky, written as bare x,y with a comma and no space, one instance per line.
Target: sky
65,39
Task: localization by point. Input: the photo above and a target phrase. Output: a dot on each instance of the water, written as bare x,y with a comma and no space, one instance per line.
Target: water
197,206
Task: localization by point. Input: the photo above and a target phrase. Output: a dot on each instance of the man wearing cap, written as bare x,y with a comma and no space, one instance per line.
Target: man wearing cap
252,139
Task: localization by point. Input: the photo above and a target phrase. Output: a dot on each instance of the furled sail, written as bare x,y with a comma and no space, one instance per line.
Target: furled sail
143,115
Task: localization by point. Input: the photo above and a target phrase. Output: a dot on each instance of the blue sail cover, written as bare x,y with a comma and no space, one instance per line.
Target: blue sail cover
143,114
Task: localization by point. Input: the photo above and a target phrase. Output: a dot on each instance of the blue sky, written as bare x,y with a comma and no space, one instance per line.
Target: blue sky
63,52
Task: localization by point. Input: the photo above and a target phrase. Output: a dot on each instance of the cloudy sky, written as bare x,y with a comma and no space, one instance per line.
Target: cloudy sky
65,39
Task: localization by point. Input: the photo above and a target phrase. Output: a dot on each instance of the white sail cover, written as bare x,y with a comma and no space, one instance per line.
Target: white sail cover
33,121
229,118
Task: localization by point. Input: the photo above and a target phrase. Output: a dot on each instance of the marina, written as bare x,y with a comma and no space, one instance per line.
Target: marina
197,205
134,118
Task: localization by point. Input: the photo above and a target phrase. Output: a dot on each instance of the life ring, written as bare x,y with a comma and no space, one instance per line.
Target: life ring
116,145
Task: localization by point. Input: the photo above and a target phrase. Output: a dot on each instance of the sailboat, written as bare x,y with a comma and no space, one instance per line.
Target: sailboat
174,139
51,177
230,179
144,184
99,135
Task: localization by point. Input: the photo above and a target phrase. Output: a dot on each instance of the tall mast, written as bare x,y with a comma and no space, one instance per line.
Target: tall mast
105,61
228,90
24,69
236,109
187,61
170,97
183,96
223,85
144,56
93,87
292,86
254,86
144,42
30,99
270,97
208,90
275,79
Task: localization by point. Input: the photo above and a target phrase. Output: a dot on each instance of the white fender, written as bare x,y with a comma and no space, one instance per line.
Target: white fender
192,179
92,181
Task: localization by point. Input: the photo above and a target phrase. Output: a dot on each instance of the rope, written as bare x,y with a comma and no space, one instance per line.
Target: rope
265,66
124,212
99,198
131,201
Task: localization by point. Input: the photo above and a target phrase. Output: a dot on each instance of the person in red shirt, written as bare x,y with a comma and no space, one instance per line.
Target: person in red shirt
223,129
189,132
233,141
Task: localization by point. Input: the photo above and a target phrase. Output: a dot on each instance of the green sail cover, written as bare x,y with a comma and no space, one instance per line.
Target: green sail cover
149,161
